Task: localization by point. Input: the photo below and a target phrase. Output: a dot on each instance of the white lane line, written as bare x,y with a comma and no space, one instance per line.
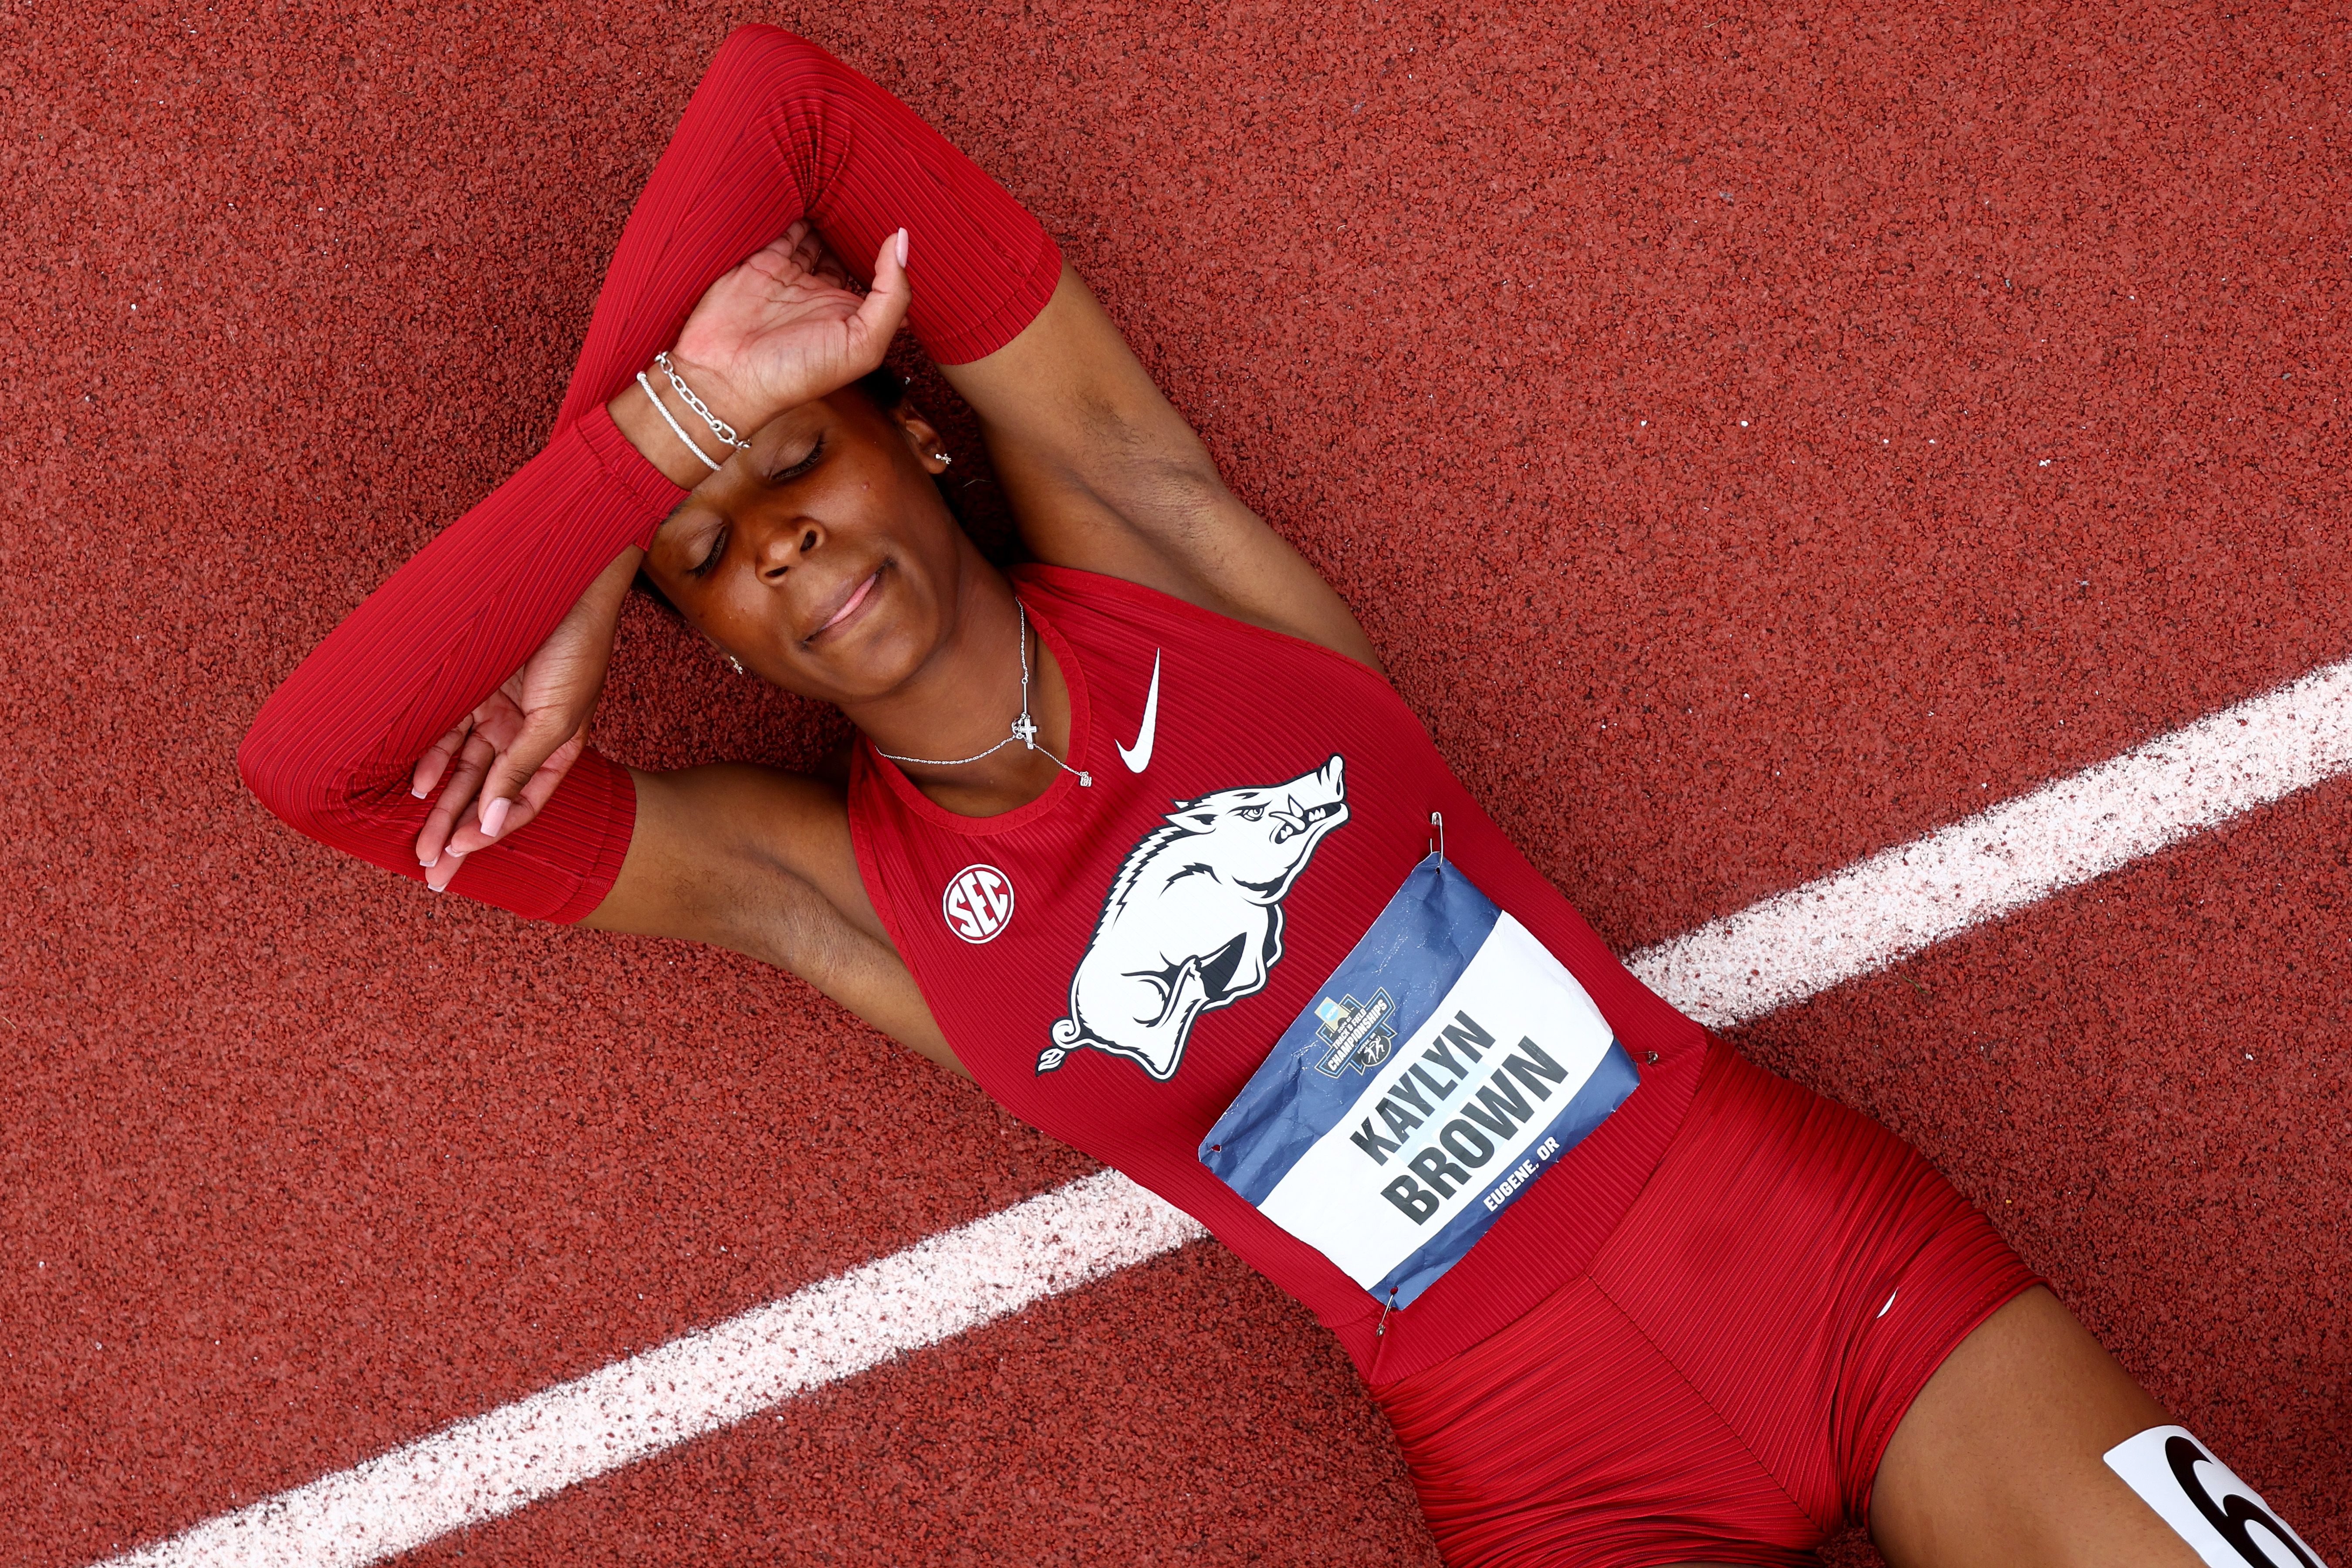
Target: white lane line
1781,951
1801,942
500,1461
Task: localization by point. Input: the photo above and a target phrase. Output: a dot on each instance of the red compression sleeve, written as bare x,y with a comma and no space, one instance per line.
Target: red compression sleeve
780,130
777,130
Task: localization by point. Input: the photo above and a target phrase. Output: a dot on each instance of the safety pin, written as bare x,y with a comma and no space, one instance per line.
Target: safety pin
1437,834
1383,1326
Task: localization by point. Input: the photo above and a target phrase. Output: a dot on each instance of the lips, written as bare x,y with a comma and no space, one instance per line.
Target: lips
850,605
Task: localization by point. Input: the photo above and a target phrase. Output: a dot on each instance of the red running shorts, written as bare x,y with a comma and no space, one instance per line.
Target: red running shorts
1719,1384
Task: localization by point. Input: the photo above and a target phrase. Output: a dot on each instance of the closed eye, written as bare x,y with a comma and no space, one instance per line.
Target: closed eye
717,547
802,466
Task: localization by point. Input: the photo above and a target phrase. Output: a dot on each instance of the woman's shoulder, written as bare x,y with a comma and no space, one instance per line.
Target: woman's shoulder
1178,611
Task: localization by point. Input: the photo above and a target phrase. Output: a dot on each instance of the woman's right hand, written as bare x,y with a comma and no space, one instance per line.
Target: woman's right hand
786,327
507,757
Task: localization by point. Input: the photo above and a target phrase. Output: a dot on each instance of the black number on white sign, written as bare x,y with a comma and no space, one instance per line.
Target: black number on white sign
2237,1516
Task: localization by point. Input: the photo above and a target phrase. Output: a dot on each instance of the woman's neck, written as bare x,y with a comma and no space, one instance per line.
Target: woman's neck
965,699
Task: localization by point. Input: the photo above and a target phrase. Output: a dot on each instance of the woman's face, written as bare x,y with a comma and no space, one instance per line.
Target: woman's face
823,558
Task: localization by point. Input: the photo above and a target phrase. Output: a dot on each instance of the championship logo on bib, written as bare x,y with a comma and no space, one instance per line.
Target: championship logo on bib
1446,1062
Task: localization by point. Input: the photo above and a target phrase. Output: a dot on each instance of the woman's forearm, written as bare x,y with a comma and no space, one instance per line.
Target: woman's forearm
332,751
836,149
778,130
665,443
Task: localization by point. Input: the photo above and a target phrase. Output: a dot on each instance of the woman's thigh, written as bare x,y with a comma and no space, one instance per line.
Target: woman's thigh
2000,1458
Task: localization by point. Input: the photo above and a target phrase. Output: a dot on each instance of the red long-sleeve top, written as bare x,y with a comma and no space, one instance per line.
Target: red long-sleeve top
778,130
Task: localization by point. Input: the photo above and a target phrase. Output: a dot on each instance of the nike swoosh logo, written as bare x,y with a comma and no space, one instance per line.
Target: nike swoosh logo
1138,757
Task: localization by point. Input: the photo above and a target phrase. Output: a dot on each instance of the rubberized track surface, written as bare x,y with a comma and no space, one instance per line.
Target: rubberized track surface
2036,323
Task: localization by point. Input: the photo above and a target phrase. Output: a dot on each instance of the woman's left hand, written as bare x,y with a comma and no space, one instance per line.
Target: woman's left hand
786,328
505,759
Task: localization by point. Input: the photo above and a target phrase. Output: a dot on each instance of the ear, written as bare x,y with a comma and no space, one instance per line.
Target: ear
922,437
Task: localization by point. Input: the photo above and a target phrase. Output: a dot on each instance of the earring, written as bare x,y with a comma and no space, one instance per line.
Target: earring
943,458
735,664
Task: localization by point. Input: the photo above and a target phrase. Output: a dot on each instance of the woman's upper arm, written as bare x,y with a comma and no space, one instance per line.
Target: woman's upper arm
760,860
1105,475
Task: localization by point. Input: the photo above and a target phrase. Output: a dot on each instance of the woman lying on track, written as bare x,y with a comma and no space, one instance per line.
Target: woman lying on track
1138,838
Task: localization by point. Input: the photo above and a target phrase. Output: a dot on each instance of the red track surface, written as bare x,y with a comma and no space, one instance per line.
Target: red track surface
301,1163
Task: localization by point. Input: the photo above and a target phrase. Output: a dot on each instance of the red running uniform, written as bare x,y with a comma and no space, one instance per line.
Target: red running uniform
1691,1338
1695,1334
1234,707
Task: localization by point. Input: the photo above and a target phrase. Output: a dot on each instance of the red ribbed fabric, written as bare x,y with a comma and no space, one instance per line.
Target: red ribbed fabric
777,130
1242,707
1719,1384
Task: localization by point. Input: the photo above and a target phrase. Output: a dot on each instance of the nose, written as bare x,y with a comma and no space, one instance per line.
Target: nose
784,546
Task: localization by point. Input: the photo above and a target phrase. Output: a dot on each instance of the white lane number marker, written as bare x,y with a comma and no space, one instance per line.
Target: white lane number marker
2223,1520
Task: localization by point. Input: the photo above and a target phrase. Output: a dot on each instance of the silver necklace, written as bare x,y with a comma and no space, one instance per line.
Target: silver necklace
1024,729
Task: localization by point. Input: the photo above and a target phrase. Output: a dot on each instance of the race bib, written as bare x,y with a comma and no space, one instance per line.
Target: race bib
1445,1063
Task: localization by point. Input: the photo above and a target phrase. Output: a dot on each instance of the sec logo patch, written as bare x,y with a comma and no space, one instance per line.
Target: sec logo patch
978,903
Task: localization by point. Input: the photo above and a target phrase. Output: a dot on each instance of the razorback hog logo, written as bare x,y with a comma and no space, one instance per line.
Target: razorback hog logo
1193,919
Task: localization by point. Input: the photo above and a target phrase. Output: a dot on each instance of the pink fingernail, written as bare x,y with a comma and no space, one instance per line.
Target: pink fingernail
416,790
494,817
902,247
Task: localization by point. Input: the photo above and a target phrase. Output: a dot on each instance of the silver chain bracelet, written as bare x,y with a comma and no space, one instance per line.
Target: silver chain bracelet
670,419
719,427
